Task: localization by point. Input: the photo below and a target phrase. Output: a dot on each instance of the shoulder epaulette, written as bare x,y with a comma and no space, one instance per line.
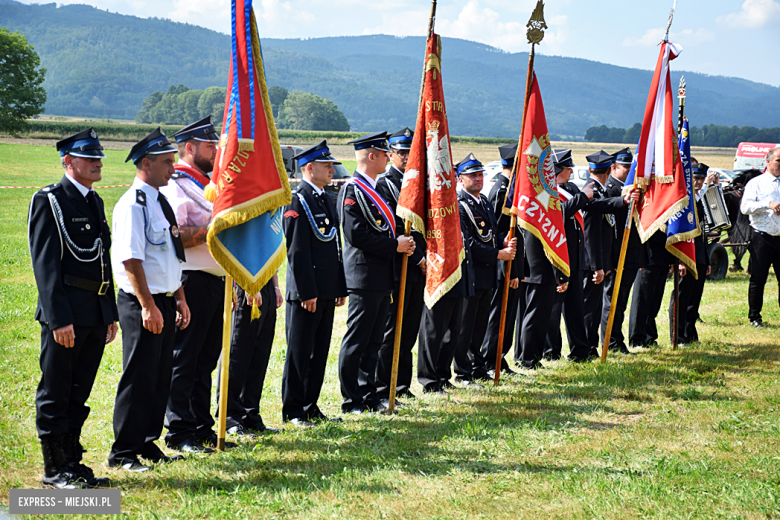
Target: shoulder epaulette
140,197
50,187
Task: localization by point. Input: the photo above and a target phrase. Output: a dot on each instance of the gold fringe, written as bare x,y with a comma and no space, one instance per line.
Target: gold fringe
417,222
449,283
691,266
660,222
250,283
246,145
664,179
554,259
682,237
255,312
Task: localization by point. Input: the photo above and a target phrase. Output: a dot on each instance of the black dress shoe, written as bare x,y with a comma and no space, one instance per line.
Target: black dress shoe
300,423
386,403
471,384
262,428
355,410
130,465
318,416
433,389
152,452
211,442
239,431
190,446
447,385
757,324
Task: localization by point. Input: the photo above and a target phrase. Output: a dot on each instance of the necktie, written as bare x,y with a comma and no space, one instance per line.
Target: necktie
169,216
93,205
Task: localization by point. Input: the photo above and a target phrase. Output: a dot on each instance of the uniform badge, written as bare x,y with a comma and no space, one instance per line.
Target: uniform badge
378,222
349,202
175,231
291,214
88,226
482,224
322,230
327,221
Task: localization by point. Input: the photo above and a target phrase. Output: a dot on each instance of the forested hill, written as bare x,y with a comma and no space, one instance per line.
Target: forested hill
102,64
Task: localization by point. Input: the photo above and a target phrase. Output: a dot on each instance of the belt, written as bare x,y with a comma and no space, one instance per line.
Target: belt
765,234
82,283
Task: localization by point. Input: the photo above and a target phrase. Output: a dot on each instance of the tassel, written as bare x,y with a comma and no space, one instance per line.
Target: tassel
210,192
255,312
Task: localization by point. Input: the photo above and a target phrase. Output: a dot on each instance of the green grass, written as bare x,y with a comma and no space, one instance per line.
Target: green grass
692,433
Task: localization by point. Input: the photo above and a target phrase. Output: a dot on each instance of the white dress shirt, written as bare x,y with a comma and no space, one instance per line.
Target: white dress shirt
142,232
82,189
369,180
759,192
192,209
317,190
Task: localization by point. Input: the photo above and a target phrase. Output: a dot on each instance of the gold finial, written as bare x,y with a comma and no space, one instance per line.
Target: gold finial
536,25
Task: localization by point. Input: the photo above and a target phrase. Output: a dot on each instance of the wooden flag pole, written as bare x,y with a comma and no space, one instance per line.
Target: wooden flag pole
618,279
399,316
535,35
676,289
225,363
399,320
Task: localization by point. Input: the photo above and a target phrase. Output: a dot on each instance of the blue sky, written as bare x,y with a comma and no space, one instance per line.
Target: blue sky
720,37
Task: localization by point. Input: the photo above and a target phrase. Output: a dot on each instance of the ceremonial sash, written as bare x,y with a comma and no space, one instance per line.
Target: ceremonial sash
377,200
195,176
568,196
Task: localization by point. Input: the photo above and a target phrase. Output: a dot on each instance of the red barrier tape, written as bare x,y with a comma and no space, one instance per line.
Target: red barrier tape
40,187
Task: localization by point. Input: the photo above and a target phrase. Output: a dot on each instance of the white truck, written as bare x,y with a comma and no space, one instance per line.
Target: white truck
752,155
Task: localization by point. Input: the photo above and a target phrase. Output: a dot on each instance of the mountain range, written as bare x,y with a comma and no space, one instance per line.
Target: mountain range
103,64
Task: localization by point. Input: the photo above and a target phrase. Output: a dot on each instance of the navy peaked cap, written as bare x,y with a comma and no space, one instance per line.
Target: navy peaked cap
469,165
624,156
378,141
700,170
202,130
401,140
83,144
155,143
562,159
508,153
317,153
599,160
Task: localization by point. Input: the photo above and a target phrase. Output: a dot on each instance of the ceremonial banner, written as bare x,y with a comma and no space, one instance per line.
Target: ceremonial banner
657,165
535,199
430,201
249,183
684,225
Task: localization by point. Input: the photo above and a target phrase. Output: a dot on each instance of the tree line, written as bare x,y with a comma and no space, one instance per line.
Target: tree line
708,135
296,110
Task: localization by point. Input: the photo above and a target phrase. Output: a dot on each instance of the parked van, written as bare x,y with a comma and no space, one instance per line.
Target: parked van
752,155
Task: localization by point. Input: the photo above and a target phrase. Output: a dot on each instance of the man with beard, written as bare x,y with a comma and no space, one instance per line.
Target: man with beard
197,348
497,197
478,224
389,186
76,306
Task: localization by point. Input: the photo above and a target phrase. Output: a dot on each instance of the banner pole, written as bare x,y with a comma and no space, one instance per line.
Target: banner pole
512,223
225,363
618,279
399,320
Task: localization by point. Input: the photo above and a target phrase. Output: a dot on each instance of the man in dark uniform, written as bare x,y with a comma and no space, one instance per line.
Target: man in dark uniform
69,243
600,233
569,303
389,186
197,348
148,253
496,198
371,243
250,353
315,286
478,225
614,188
440,328
648,292
692,289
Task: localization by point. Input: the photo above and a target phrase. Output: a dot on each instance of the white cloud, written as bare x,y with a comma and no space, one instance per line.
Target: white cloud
485,25
686,37
754,14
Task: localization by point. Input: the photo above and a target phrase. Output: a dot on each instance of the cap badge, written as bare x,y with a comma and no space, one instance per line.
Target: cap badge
92,134
408,133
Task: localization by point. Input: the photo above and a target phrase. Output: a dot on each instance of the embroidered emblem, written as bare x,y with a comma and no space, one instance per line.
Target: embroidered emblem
690,218
291,214
349,202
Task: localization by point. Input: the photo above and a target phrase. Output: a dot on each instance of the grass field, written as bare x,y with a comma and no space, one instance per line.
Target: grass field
692,433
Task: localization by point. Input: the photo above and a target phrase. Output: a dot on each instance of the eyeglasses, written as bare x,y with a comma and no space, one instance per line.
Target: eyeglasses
401,152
